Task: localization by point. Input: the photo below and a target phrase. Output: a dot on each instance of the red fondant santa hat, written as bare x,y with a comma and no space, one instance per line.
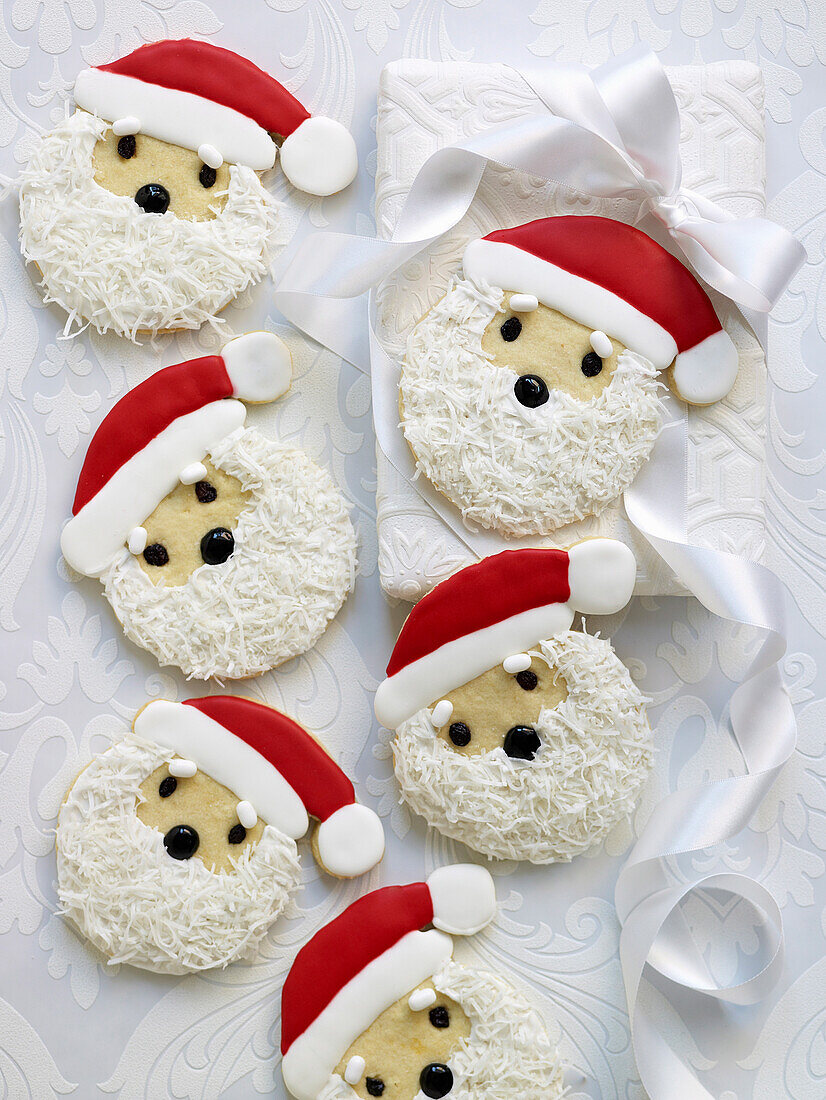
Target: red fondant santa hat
617,280
211,100
272,763
158,434
366,959
496,609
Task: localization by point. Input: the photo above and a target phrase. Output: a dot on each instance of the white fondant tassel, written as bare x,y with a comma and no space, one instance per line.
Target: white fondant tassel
524,303
601,345
246,814
421,998
355,1069
442,713
518,662
182,769
196,471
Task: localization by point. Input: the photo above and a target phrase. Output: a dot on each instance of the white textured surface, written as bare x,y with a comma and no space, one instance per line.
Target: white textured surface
70,681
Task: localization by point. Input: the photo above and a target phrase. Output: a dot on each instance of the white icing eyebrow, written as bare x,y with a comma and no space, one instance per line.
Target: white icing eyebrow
195,471
517,662
601,344
355,1070
137,540
246,814
524,303
420,999
182,769
442,713
127,125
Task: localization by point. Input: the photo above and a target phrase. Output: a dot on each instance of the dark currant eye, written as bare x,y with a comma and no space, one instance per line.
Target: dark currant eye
205,492
436,1080
530,390
374,1086
156,554
522,743
127,146
440,1017
217,545
181,842
168,786
459,734
591,364
237,834
527,679
207,176
510,329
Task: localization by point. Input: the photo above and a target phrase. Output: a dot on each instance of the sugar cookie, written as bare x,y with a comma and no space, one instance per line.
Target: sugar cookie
144,211
529,393
221,551
176,847
514,734
374,1006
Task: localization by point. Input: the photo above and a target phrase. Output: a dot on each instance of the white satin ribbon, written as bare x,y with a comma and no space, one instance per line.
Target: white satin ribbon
616,135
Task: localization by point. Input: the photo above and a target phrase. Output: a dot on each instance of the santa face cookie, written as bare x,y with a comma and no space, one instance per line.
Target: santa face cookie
176,848
374,1006
221,551
144,210
514,734
529,392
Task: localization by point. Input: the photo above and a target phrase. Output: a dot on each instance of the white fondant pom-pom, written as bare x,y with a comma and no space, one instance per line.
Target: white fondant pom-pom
195,471
705,373
182,769
350,841
421,999
259,366
246,814
464,898
320,157
442,713
601,576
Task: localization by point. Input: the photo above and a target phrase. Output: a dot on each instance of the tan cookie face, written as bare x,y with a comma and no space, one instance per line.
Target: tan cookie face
401,1044
192,190
189,514
201,804
500,710
551,346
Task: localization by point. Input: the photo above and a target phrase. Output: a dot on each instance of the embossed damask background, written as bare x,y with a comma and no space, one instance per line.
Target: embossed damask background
68,680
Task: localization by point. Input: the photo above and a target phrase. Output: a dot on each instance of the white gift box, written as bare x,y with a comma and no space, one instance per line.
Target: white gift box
426,105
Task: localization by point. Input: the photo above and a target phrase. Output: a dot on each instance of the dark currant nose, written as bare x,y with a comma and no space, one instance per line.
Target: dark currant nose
436,1080
152,198
181,842
530,390
522,742
217,545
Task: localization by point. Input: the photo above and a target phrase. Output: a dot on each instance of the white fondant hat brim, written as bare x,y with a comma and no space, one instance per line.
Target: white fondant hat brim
228,759
92,539
179,118
314,1055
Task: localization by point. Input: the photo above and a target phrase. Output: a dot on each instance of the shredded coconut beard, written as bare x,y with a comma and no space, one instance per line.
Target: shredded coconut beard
508,1054
117,884
106,262
587,776
293,566
519,471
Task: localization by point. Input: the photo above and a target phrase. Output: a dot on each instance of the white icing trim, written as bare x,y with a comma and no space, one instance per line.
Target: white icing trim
420,999
246,814
210,155
705,373
92,539
137,540
183,769
179,118
416,685
259,365
313,1056
351,841
320,157
354,1070
226,759
601,576
464,898
524,303
442,713
602,345
195,471
124,126
509,267
517,662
